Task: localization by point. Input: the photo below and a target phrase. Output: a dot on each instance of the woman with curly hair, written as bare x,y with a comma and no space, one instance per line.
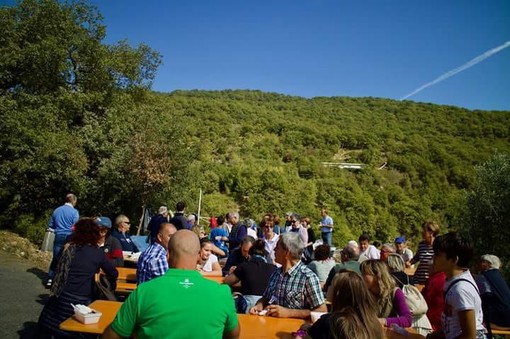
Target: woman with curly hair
353,312
392,307
74,283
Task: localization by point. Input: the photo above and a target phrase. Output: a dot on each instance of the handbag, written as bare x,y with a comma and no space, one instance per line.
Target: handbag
104,289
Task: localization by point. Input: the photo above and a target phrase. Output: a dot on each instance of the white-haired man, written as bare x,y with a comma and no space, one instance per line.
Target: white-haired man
293,290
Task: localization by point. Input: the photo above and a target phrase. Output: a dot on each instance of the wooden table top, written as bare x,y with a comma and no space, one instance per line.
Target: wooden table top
252,326
219,280
108,309
411,334
130,257
256,326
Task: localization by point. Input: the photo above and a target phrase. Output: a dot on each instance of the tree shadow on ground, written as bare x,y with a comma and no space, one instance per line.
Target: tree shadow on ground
43,298
30,330
39,274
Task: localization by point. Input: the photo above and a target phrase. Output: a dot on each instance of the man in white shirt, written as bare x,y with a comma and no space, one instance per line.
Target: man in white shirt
366,250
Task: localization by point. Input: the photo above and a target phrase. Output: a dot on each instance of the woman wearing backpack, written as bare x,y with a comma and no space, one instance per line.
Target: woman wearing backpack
391,302
415,300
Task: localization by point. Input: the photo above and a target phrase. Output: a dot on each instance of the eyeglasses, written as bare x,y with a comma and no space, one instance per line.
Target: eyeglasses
127,222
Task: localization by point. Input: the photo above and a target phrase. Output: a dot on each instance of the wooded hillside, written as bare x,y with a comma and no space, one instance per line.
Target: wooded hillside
77,115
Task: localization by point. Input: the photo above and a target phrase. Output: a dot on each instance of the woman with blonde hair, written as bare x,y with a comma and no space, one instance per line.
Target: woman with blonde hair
353,314
391,302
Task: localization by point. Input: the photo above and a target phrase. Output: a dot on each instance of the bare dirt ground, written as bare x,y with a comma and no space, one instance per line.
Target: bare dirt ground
22,293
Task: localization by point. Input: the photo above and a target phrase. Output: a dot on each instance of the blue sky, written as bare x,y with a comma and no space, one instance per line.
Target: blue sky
324,47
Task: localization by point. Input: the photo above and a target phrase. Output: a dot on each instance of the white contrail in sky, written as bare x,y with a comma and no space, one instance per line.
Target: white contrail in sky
460,69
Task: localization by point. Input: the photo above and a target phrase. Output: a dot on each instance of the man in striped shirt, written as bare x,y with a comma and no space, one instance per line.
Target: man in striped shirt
293,290
153,261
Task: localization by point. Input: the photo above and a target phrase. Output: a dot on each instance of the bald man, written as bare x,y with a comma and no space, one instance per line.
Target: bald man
153,262
161,308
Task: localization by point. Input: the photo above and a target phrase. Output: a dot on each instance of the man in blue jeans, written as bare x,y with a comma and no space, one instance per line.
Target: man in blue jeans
61,222
326,227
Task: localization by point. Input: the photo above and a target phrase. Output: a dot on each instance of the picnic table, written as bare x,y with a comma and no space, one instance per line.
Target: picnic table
252,326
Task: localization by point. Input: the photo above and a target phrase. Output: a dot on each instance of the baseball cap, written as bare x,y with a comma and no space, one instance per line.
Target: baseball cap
104,222
399,240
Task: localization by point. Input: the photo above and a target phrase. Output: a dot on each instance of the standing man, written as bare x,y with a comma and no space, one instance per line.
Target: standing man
238,231
61,222
270,237
161,308
179,220
156,221
326,227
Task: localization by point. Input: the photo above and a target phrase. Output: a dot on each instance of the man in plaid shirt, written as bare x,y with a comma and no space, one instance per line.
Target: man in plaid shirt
293,290
153,261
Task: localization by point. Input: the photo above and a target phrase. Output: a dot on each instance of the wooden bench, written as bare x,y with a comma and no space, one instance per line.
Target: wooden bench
504,333
126,281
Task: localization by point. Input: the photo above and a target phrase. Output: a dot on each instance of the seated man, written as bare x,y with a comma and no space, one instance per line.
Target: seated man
366,250
153,261
161,308
121,232
350,262
386,250
293,290
239,255
219,236
401,248
495,293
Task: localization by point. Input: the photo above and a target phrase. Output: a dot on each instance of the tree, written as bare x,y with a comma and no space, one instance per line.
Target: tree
49,45
488,209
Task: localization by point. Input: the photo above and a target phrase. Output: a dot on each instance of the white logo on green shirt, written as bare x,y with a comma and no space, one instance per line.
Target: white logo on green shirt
186,283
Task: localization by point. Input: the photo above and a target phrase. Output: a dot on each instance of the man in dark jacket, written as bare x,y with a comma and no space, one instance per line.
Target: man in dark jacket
494,292
179,220
121,232
156,222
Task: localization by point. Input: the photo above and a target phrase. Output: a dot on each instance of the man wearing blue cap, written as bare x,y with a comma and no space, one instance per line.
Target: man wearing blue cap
401,248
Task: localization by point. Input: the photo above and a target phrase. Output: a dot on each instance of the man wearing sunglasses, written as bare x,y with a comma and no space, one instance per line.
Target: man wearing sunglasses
121,232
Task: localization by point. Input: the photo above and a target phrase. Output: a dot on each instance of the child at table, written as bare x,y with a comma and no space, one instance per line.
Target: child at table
353,313
462,313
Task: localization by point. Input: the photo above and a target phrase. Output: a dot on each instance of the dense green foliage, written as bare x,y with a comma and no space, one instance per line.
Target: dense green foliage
487,214
78,115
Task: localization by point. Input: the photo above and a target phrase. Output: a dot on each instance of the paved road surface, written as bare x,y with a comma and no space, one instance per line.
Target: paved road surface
22,296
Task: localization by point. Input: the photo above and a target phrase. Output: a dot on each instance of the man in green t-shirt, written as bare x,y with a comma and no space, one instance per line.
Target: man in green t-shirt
180,303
